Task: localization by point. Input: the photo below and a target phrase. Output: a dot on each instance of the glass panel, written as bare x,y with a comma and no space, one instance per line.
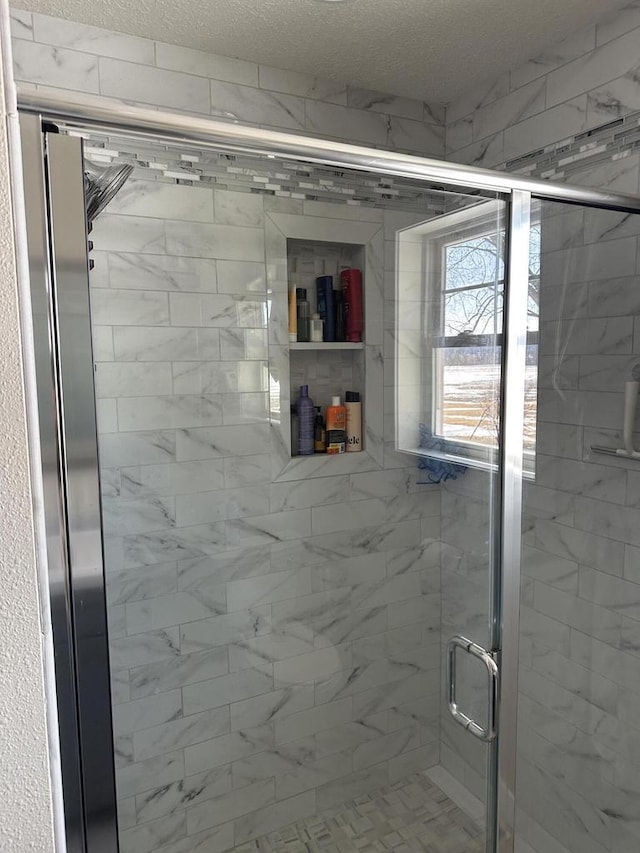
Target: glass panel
276,619
578,761
448,383
469,360
456,367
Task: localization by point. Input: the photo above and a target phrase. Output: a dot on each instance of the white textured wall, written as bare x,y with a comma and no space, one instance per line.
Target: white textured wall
25,797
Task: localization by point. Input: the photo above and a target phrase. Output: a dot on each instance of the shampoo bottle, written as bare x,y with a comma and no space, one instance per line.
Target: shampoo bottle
295,430
306,422
303,315
324,292
336,426
353,407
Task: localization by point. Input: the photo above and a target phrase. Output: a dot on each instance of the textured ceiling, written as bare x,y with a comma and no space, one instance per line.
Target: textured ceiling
430,49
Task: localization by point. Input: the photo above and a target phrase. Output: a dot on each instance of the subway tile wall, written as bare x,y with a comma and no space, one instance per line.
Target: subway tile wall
571,115
275,646
62,54
579,84
578,739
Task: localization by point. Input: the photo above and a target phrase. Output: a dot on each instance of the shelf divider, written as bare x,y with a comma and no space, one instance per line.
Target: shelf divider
324,345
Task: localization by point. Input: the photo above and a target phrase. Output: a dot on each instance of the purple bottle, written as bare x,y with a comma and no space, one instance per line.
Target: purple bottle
306,422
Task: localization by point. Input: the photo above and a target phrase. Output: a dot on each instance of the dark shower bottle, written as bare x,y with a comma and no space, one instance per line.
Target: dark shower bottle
306,422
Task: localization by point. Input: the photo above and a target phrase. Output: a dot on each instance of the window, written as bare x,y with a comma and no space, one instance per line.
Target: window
468,337
450,273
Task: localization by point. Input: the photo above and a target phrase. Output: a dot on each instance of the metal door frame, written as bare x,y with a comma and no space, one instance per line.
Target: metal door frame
59,284
505,615
70,444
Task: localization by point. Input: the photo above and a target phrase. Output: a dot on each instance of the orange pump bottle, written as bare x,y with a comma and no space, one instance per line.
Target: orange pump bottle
336,427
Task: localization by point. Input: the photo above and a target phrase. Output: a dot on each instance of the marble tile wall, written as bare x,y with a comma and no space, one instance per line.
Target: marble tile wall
579,740
571,115
578,734
327,374
62,54
587,80
275,646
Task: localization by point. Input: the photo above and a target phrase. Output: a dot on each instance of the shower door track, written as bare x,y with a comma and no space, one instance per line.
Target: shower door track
109,114
42,107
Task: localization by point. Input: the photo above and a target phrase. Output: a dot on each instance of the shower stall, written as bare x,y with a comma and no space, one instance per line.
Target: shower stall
431,644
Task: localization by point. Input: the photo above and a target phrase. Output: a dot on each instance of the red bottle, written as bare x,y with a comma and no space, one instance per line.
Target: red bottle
351,282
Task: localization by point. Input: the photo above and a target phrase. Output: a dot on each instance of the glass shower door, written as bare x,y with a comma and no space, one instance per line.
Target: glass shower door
298,644
449,337
578,752
278,622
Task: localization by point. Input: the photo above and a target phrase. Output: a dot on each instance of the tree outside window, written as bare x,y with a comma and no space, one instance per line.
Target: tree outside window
468,348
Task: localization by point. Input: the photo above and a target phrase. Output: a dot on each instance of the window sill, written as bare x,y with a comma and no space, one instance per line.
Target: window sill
468,461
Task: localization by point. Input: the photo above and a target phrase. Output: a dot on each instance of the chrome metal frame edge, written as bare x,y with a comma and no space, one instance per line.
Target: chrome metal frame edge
81,485
511,478
109,114
48,416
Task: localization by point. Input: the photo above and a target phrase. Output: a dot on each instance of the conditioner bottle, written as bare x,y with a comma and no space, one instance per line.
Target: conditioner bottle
336,427
351,281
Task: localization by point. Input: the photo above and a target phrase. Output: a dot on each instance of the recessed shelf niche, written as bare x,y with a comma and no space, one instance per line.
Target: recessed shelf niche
309,246
332,367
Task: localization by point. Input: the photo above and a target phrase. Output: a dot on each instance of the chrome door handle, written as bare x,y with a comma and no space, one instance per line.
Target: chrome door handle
491,732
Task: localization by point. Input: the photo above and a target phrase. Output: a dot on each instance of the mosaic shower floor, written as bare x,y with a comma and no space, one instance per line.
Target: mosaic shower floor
412,816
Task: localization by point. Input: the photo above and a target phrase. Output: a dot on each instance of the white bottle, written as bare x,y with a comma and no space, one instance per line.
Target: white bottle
354,421
317,328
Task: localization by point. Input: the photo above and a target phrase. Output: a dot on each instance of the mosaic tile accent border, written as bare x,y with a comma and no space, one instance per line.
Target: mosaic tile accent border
258,175
559,161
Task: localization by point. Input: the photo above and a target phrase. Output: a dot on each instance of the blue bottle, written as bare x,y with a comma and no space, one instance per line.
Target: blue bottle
324,293
306,422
